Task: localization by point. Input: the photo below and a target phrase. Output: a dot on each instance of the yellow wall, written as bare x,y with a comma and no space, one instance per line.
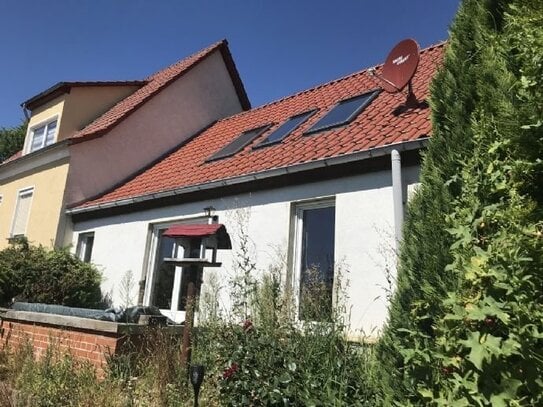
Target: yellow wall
77,108
86,103
46,212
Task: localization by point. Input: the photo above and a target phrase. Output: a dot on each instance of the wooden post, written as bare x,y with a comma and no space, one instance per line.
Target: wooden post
187,329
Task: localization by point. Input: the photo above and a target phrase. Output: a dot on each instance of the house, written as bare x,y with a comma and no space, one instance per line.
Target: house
86,137
306,179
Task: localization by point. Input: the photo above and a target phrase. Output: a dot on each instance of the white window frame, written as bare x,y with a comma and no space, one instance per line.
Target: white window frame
173,313
82,243
44,123
20,193
299,208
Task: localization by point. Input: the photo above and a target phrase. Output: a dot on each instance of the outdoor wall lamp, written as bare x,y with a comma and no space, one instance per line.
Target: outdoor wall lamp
196,378
209,211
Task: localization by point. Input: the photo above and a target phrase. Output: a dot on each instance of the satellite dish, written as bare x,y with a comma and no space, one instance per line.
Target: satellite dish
400,66
398,70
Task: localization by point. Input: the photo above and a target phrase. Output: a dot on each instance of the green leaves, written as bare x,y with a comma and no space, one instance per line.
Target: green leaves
11,140
482,348
48,276
483,169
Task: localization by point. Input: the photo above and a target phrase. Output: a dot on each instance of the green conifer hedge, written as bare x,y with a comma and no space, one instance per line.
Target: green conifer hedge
486,112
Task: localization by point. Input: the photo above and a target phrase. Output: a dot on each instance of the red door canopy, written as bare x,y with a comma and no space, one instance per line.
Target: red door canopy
201,230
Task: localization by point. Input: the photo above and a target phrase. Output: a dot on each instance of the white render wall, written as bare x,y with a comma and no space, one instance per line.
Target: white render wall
363,237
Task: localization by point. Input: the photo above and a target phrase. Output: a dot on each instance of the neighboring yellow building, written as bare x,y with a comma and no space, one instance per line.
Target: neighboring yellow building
32,183
84,138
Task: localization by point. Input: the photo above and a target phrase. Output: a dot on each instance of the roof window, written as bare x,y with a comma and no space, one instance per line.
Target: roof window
344,112
285,129
239,143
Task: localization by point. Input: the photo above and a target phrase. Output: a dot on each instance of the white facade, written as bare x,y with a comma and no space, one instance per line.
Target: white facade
364,242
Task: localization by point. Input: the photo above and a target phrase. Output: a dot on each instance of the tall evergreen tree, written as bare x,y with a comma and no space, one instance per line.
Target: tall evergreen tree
489,341
423,276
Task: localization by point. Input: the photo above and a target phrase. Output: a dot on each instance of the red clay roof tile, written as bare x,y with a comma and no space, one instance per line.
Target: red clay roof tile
376,126
154,84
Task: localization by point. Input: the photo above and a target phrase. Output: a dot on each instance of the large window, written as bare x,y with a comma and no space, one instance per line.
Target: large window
42,136
22,212
314,259
85,242
166,284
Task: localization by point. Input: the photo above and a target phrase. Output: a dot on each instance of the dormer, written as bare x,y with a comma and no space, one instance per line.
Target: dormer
60,111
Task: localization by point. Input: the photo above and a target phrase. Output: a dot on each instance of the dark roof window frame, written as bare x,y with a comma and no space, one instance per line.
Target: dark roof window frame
287,124
366,97
238,144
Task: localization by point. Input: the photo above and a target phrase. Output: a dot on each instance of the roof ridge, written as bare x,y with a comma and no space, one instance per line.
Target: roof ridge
204,52
320,86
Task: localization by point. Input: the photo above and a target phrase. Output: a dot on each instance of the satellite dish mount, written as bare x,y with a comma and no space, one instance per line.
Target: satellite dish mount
398,70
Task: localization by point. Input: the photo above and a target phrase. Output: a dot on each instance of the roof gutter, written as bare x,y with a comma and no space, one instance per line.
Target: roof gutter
276,172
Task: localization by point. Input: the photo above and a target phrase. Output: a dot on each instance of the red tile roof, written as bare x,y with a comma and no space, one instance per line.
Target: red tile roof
13,157
149,87
376,126
154,84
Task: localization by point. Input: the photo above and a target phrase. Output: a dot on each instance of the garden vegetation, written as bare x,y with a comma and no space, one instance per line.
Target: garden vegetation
36,274
466,319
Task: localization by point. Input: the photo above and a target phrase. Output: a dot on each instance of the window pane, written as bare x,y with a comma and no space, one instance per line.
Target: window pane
22,212
37,138
164,274
51,129
88,249
238,144
317,264
189,273
84,246
285,129
344,112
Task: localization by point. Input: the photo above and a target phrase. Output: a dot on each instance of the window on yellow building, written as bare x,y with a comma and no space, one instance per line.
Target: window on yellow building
22,212
42,136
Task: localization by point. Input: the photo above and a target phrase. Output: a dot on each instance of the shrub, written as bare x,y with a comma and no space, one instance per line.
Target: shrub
36,274
274,360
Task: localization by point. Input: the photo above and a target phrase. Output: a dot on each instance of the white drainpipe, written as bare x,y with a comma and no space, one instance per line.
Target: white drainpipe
397,198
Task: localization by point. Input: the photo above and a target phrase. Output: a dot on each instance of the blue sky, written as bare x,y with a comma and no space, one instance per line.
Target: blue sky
279,46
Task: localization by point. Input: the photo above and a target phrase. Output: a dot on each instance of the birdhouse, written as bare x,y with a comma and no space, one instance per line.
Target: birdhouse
197,244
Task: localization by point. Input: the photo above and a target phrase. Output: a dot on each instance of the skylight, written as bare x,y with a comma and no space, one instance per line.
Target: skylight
344,112
238,144
285,129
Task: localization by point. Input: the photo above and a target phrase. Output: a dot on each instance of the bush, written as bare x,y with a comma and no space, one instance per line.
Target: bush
274,360
35,274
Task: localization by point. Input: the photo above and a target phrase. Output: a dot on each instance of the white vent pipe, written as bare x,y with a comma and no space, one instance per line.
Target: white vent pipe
396,163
